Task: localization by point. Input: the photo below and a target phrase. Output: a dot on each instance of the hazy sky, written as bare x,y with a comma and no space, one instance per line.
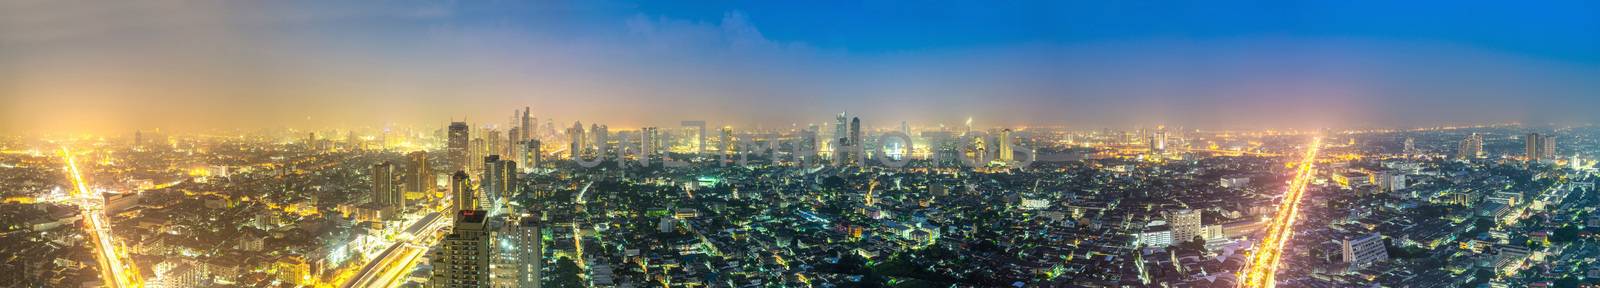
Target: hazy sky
120,65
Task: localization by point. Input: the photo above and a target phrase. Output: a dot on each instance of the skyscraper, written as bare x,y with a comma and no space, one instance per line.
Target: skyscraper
420,178
530,154
384,193
1004,146
576,135
1540,147
461,192
462,260
527,124
491,181
529,253
727,142
1158,141
1410,146
854,155
456,146
1471,148
841,135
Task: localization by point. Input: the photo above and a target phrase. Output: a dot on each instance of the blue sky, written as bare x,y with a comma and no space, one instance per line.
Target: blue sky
1207,64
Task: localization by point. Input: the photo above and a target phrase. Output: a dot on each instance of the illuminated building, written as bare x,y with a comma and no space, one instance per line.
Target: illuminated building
527,125
1471,148
699,128
498,181
649,142
840,130
1410,146
1158,141
420,178
456,146
601,136
1363,251
1185,225
855,147
1540,147
727,142
530,154
477,150
384,193
461,192
1004,146
463,256
527,240
575,134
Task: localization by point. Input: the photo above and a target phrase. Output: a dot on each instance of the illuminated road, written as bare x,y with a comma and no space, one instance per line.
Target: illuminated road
391,266
1263,264
116,270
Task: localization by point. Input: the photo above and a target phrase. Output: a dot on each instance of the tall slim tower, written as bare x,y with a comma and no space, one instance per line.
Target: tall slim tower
420,178
530,154
1004,146
727,142
527,124
383,191
461,192
1471,148
1540,147
456,146
578,145
492,181
463,258
856,148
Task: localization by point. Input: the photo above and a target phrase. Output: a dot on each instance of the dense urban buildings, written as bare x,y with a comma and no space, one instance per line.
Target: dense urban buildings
769,144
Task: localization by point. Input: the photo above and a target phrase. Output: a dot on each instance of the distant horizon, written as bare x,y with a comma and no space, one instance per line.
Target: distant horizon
115,67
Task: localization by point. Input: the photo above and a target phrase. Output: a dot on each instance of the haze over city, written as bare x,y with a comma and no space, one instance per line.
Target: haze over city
533,144
98,67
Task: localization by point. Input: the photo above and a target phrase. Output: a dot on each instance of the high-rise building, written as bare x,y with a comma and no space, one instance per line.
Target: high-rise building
527,239
477,150
1185,225
1471,148
841,135
649,142
530,155
727,142
420,178
461,191
462,259
527,125
492,181
1540,147
384,193
1004,146
601,138
1363,251
1158,141
456,146
854,155
1410,146
576,135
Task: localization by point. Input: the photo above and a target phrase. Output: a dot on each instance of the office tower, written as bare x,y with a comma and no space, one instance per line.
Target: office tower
649,139
420,177
383,190
1471,148
1410,146
497,144
600,138
528,257
456,146
700,134
1185,225
841,136
1158,141
854,155
1004,146
527,124
462,259
577,138
490,181
462,192
530,154
1363,251
1540,147
727,142
477,150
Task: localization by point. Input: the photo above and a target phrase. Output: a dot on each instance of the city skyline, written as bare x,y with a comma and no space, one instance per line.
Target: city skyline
1236,65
